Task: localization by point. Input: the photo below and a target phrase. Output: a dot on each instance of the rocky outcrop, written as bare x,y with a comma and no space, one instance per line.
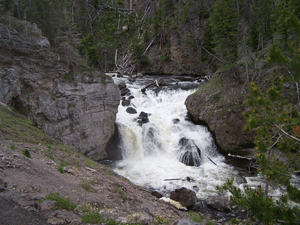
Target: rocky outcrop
221,111
75,106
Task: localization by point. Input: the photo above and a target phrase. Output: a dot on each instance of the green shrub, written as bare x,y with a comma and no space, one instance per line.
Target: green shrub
26,153
92,217
123,195
161,220
50,156
68,77
164,57
62,202
196,216
61,166
90,163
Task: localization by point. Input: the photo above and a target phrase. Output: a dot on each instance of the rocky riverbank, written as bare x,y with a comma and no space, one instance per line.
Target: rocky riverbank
28,181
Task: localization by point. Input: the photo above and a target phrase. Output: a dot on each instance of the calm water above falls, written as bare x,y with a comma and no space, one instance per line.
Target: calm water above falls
155,151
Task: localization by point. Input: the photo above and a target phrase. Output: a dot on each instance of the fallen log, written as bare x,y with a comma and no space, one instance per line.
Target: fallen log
187,179
211,160
156,82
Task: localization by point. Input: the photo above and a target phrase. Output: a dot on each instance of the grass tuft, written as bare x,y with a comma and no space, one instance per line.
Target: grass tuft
61,166
62,202
26,153
86,186
196,216
12,147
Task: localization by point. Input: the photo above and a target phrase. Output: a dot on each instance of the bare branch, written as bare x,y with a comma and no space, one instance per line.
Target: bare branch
275,142
212,55
148,47
283,131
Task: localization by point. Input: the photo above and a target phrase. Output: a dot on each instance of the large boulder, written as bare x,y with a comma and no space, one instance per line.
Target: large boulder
219,203
221,111
74,106
185,196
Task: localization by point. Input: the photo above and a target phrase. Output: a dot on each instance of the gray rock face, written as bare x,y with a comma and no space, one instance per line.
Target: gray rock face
74,106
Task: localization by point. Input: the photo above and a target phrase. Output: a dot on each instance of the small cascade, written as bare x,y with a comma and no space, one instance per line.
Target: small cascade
160,146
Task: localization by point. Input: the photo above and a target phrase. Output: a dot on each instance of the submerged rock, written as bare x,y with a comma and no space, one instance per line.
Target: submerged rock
125,91
143,118
125,102
131,79
176,121
190,153
131,110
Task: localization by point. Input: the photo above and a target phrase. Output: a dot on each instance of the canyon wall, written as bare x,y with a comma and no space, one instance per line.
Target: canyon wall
67,101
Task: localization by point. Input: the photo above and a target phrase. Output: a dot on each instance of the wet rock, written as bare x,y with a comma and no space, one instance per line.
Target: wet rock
131,97
124,91
125,102
140,75
63,217
143,118
190,153
185,196
131,79
219,203
47,205
176,121
119,75
187,159
131,110
122,86
156,194
161,81
112,148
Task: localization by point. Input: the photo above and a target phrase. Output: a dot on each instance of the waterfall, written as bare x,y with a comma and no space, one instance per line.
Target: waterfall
159,142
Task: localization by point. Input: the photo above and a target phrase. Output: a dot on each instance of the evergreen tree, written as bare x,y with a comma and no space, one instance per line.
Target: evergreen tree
262,27
274,117
223,23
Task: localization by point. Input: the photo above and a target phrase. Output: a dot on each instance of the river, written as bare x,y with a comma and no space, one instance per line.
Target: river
157,154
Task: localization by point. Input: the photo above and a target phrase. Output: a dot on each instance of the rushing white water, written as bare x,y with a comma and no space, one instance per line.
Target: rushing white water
153,152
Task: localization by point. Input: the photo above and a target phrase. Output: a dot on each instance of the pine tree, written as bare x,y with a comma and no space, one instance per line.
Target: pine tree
262,27
274,117
223,22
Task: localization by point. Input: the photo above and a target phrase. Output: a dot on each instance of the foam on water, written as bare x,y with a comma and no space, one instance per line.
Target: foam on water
151,152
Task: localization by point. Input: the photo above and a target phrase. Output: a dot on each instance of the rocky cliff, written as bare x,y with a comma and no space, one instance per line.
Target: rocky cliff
68,102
